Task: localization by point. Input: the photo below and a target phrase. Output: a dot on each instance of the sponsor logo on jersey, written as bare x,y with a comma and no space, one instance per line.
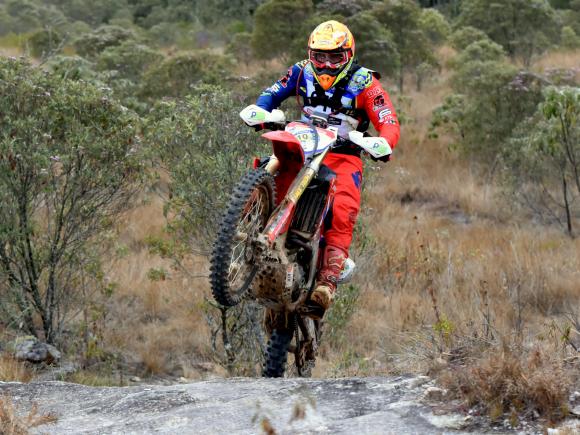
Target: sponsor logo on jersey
378,102
374,91
384,113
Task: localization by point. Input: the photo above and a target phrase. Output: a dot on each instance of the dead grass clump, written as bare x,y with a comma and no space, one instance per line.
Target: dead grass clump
507,382
12,370
13,424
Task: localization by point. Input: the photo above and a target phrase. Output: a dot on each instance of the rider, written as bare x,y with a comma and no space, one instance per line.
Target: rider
331,81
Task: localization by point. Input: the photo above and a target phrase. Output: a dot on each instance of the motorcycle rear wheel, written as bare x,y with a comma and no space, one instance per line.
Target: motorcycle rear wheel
233,266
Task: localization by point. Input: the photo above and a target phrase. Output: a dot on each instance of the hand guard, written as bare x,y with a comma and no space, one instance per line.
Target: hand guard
377,147
255,116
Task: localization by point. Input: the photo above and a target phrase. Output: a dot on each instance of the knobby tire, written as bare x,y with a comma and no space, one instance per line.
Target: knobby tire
258,181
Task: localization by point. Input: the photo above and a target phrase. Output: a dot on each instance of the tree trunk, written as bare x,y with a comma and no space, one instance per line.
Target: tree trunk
567,205
401,80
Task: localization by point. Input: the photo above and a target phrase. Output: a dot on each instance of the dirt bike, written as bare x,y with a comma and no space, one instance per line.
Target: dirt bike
268,248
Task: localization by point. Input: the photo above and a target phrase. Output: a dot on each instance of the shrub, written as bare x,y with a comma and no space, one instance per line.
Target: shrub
130,60
491,99
68,165
375,46
72,68
412,44
569,38
508,382
205,147
175,76
285,16
45,42
240,47
522,27
464,36
90,45
434,25
543,158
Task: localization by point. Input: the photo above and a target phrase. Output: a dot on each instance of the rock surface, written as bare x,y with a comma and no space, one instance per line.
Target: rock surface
238,406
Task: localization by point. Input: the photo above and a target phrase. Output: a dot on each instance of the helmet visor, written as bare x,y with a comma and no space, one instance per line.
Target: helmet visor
328,59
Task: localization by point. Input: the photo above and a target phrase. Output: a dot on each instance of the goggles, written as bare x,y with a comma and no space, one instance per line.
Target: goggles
328,59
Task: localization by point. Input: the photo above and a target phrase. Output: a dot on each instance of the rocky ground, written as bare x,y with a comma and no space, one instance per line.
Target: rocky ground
401,405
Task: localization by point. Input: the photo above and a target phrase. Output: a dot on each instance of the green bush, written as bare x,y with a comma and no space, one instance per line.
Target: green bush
523,28
73,68
44,42
403,19
68,165
375,46
240,47
491,98
464,36
435,26
91,45
21,16
175,76
542,160
277,27
129,59
569,39
205,147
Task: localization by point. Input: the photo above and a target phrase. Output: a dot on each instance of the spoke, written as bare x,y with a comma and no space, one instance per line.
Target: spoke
252,220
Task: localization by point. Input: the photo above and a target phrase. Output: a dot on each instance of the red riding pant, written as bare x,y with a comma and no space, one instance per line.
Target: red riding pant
346,204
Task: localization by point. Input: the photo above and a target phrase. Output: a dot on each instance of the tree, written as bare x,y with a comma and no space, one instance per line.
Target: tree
375,47
435,26
44,43
569,38
92,44
277,24
241,47
543,159
523,27
94,12
174,77
130,60
27,15
491,99
465,36
402,19
68,167
345,8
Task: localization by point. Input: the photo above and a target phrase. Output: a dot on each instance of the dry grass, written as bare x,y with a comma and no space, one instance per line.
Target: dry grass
505,382
13,424
12,370
156,324
557,59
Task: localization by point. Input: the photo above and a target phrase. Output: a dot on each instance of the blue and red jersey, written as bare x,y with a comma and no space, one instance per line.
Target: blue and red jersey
359,95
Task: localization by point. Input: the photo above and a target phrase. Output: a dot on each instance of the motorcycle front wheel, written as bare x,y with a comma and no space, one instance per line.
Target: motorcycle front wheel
233,266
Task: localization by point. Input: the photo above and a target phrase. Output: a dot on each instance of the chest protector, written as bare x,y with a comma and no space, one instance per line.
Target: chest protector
339,101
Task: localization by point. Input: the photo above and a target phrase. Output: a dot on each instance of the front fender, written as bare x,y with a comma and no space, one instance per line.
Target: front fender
286,148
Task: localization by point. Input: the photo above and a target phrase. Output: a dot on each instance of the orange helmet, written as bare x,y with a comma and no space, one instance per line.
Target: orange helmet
331,52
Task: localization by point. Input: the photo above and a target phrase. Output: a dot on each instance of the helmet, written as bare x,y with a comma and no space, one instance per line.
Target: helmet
331,52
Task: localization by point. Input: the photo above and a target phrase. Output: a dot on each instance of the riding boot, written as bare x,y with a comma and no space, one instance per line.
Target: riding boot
332,263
